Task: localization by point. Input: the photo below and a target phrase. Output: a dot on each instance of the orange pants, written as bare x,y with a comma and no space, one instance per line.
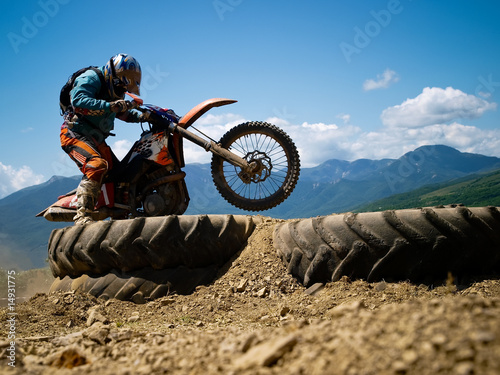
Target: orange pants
92,158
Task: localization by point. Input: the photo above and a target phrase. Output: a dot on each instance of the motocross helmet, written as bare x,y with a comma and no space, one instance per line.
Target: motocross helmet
122,73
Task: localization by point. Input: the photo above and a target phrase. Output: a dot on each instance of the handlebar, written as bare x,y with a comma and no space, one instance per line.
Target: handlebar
133,105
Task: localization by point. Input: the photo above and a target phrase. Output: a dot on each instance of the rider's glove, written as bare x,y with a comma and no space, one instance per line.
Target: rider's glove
119,106
145,117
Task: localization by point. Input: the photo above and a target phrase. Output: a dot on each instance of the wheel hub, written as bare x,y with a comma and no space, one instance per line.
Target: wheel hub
260,167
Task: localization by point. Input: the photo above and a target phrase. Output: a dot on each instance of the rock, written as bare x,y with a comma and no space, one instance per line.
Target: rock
4,344
68,298
134,317
464,368
266,318
400,367
314,289
266,353
98,332
95,315
439,339
242,285
68,358
409,357
263,292
68,340
483,336
121,335
167,301
248,342
346,308
381,286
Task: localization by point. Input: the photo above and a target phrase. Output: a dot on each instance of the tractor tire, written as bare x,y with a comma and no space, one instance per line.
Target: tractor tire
139,286
158,242
422,245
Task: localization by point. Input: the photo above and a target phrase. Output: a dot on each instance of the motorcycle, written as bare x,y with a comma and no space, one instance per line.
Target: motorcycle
255,166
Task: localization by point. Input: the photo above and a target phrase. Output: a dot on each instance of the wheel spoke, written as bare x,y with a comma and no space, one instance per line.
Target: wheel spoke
276,163
274,157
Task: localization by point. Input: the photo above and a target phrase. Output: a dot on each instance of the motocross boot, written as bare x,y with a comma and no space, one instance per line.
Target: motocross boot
86,195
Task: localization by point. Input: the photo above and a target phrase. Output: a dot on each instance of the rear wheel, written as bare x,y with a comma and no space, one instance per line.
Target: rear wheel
276,166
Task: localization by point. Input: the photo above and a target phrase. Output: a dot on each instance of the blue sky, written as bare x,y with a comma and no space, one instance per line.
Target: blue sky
347,79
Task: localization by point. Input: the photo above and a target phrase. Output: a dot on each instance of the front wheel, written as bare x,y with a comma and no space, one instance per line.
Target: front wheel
276,166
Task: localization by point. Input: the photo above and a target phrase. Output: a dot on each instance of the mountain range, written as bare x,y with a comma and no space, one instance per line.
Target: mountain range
332,187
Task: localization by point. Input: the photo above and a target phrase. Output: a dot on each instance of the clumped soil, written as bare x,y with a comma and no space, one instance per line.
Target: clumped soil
257,319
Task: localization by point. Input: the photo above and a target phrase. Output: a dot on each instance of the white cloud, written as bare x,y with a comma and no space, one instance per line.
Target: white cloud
12,179
320,128
320,142
121,148
222,122
392,143
382,82
346,118
435,106
277,121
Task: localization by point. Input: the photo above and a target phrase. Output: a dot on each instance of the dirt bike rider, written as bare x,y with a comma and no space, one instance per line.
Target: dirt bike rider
90,120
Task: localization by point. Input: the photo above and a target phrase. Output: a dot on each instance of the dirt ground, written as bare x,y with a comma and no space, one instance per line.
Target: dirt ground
257,319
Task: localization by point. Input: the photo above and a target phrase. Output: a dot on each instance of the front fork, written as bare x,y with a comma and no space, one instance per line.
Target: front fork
247,168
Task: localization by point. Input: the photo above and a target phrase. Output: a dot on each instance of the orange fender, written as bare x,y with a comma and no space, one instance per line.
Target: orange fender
196,112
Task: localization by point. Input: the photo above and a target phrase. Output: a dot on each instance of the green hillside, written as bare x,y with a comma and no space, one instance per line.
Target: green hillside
474,190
